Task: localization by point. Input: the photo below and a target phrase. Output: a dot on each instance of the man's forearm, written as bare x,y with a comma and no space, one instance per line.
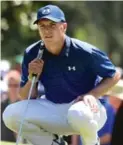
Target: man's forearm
24,91
105,85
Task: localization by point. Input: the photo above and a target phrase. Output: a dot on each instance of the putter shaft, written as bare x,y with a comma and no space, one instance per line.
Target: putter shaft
29,96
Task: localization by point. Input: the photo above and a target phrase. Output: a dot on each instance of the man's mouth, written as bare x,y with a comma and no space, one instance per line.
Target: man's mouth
48,37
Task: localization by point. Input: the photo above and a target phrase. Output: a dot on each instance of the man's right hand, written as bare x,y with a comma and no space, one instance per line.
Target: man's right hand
35,67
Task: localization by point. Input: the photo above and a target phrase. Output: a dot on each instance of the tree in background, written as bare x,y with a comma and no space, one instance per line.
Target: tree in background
99,23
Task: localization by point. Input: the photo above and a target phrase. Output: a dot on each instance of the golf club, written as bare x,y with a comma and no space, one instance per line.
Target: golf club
39,56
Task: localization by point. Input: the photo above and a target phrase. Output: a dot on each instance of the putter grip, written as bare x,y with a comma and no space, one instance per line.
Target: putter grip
39,56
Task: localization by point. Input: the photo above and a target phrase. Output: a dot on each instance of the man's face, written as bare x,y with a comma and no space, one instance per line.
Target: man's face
51,32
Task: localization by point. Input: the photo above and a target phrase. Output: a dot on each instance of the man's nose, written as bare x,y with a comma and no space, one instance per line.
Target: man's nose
47,31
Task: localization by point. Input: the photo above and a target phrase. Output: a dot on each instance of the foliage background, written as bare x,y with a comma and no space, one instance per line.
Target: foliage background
97,22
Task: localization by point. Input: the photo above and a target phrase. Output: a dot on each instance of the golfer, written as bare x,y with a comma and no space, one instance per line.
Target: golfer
75,75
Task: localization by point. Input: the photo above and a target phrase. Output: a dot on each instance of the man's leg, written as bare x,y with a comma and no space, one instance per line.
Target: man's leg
32,132
87,123
39,137
42,120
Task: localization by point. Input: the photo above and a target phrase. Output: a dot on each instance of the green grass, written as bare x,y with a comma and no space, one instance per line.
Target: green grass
5,143
8,143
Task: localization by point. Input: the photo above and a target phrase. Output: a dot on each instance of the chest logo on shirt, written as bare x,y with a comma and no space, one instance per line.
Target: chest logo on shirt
71,68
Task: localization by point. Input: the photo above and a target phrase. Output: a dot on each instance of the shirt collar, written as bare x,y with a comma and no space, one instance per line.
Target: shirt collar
66,48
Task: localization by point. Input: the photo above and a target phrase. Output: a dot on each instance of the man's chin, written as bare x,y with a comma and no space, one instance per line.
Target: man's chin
48,41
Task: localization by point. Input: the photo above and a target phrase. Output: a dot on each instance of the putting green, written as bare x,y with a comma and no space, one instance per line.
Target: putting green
8,143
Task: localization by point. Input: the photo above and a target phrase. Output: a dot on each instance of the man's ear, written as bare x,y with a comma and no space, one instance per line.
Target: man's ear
65,27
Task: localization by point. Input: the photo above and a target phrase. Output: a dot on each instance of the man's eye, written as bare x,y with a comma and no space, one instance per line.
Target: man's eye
53,25
41,26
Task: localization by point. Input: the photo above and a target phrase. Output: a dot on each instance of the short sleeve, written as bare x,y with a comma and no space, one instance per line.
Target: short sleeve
101,64
24,74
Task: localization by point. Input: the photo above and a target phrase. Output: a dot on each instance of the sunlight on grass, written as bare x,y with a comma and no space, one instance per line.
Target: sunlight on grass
8,143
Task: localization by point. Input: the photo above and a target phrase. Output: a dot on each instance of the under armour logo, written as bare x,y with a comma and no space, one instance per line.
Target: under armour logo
71,68
46,11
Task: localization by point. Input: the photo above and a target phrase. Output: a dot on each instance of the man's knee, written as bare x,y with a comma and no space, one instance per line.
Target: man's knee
80,117
11,117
